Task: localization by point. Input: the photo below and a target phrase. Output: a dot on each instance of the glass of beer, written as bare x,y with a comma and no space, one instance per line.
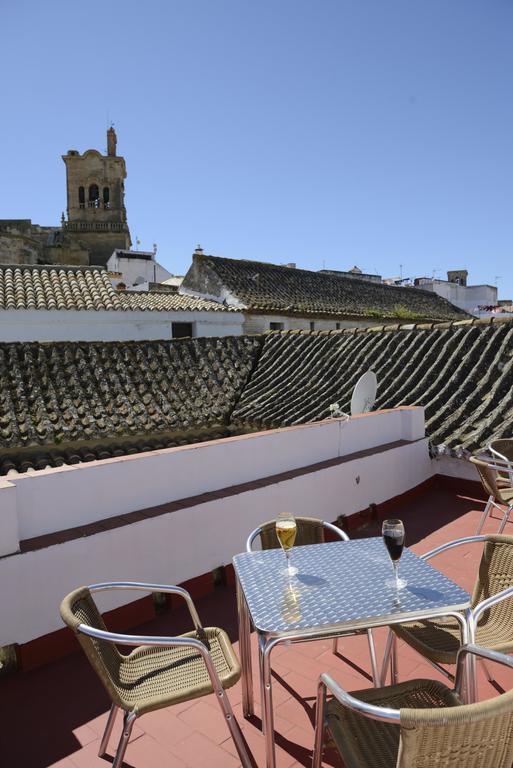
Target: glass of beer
286,532
393,536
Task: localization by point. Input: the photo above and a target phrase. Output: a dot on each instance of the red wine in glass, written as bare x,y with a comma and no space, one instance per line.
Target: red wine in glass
394,537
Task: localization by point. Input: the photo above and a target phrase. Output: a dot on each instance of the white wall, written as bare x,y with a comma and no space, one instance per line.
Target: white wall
254,323
64,497
132,269
116,325
183,544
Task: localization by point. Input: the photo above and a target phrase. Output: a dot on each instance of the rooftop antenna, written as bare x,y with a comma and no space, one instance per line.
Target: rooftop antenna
362,399
137,243
497,277
364,393
433,276
401,272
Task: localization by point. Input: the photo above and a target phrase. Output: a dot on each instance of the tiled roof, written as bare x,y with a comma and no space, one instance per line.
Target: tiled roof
70,402
462,374
271,288
54,287
168,302
84,288
76,401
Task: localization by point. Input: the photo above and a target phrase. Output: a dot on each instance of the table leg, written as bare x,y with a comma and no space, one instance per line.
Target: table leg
394,670
471,692
267,702
245,653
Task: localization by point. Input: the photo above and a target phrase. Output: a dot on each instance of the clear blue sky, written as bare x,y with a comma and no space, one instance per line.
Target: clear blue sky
327,132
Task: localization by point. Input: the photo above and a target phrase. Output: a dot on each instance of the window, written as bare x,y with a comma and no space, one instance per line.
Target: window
106,197
312,325
337,326
94,196
81,197
276,326
179,330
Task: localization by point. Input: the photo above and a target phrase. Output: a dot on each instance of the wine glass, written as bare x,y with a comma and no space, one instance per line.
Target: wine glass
393,536
286,530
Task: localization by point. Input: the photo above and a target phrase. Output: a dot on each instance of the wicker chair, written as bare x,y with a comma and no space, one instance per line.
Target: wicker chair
503,451
310,530
493,475
160,671
418,724
438,640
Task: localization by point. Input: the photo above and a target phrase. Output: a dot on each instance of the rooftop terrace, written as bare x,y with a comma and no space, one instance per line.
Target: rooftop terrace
46,722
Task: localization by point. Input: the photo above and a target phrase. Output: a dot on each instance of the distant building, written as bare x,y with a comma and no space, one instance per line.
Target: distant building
56,303
477,300
275,297
96,222
135,269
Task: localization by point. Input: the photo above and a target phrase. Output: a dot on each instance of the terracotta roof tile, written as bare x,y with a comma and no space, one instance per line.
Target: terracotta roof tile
63,403
264,287
168,302
84,288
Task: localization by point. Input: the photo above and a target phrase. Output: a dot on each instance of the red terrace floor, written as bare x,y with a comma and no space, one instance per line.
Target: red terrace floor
54,716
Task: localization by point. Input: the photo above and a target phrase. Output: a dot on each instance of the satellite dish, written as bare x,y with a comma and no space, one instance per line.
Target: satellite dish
364,393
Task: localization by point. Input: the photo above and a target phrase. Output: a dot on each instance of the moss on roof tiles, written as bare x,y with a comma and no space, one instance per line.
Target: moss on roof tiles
263,287
68,402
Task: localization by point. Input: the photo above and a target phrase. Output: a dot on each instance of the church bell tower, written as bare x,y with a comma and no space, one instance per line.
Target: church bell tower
96,200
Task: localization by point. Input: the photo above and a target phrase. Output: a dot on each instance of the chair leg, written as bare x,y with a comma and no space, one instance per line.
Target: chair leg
320,726
504,519
374,663
128,723
386,658
335,645
394,667
234,728
108,730
484,515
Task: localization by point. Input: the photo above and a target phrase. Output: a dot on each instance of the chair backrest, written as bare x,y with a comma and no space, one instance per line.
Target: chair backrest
310,530
495,574
487,475
503,449
468,736
79,608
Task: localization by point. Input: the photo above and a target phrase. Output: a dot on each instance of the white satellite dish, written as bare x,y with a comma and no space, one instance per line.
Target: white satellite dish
364,393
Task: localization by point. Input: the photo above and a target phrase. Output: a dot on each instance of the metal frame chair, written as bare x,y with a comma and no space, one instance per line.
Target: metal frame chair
152,671
493,474
433,726
482,614
502,449
312,529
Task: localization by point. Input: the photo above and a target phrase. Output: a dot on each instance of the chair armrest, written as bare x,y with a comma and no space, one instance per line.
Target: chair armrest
477,650
385,714
451,544
251,538
143,587
490,602
161,642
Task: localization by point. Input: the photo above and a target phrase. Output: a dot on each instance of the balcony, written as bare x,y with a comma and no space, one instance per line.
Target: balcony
65,730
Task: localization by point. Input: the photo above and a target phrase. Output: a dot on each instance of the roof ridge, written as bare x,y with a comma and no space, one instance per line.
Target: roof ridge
47,267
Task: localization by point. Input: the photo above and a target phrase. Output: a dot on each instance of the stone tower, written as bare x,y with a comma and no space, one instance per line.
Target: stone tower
96,200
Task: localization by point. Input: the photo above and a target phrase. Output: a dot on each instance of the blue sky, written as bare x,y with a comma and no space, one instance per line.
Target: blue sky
328,132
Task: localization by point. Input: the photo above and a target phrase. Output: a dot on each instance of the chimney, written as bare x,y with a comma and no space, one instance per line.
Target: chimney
112,140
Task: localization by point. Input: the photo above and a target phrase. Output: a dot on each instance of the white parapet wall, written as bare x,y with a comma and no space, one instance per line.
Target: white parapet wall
187,542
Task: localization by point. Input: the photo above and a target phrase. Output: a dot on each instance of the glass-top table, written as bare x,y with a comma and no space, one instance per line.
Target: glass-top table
339,589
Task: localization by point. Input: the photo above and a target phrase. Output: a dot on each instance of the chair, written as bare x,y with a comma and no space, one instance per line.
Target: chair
438,640
310,530
503,451
418,724
160,671
494,486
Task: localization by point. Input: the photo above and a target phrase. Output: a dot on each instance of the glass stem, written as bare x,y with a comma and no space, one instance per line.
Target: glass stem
395,563
287,555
